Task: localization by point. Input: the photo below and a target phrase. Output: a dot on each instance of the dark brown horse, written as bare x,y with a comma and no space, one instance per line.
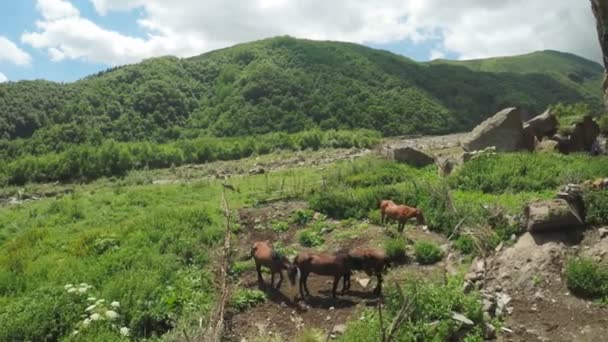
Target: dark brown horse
370,260
324,264
402,213
264,255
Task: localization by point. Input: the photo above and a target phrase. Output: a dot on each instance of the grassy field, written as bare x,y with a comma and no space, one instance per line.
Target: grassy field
151,248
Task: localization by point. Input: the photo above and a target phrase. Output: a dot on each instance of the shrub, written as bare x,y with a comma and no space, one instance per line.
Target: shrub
427,252
244,299
430,314
302,217
280,226
587,278
596,203
240,267
395,249
310,238
465,244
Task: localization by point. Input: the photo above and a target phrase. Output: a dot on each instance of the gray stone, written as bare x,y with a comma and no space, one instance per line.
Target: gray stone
489,331
603,232
504,130
339,329
462,319
412,156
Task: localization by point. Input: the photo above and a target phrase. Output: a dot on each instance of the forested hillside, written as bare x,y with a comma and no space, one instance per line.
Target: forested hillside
284,84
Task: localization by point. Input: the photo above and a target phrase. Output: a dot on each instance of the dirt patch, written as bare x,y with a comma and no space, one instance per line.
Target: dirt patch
283,315
531,272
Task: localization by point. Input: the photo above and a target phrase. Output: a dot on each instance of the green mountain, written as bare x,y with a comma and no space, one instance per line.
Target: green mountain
286,84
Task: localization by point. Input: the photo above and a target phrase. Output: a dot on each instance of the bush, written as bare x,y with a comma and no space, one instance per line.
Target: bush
430,314
427,252
596,203
302,217
395,249
280,226
244,299
465,244
587,278
310,238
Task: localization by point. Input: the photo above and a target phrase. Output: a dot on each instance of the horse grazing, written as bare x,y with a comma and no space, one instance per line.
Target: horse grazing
323,264
383,205
402,213
265,255
370,260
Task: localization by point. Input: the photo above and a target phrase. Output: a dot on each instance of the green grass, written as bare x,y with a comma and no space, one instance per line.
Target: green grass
587,278
244,299
430,316
596,203
427,252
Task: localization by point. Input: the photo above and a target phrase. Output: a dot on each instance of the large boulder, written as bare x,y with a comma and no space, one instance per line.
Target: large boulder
543,125
584,134
412,156
551,215
503,130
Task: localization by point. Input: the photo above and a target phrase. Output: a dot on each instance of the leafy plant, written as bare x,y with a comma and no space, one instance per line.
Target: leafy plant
587,278
279,226
427,252
302,217
245,298
395,249
310,238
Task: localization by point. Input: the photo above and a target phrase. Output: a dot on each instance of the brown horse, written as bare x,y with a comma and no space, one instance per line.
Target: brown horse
265,255
323,264
370,260
402,213
383,205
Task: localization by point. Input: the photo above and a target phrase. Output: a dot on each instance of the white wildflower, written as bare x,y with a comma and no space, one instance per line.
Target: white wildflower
84,284
96,317
72,290
82,289
124,331
90,307
100,301
111,314
86,322
91,299
115,304
68,286
75,332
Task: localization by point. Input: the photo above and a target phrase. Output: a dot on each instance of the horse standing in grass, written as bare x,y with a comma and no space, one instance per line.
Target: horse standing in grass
265,255
370,260
402,213
323,264
383,205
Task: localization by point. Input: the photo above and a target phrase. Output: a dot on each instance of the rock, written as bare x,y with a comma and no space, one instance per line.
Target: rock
603,232
488,306
563,143
412,156
466,156
489,331
502,300
339,329
547,145
584,134
467,287
256,171
543,125
363,282
551,215
462,319
503,130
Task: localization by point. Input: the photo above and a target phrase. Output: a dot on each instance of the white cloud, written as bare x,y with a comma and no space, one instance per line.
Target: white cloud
469,29
3,78
11,53
436,54
56,9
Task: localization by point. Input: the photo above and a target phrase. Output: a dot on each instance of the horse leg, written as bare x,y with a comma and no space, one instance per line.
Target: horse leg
280,280
302,279
271,279
306,284
378,289
382,215
335,286
258,268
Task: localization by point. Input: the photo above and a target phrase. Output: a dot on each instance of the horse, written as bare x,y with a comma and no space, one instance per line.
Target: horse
383,205
265,255
323,264
402,213
370,260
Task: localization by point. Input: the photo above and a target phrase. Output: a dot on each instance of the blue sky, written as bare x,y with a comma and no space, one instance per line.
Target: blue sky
64,40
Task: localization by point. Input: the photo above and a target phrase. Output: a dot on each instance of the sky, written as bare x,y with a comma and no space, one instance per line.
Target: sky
65,40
